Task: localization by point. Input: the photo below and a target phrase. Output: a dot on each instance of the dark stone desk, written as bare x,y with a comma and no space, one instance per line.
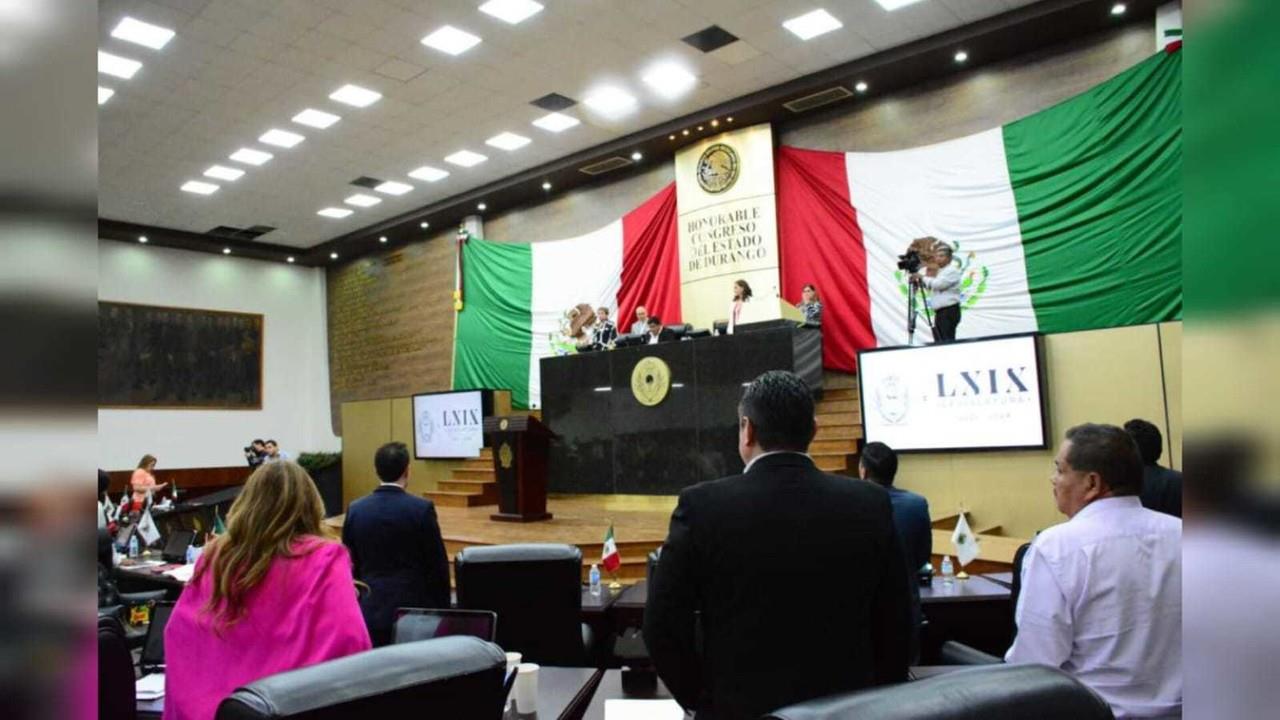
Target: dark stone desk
610,443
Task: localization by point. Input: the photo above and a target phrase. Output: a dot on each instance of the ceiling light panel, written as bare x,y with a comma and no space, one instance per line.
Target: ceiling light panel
466,158
104,94
511,11
117,66
141,33
451,40
199,188
336,213
892,5
507,141
362,200
812,24
429,174
280,138
391,187
250,156
669,79
610,101
556,122
222,172
315,118
355,95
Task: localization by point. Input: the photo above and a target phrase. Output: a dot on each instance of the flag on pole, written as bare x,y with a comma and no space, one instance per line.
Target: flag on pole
218,527
964,541
610,558
147,528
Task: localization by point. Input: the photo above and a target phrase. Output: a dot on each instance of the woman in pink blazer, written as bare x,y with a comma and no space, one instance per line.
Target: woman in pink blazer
273,593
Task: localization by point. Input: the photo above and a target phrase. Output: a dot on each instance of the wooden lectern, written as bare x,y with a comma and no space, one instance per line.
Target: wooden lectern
521,445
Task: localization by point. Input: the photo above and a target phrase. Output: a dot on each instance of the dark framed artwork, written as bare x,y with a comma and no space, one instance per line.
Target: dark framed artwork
166,357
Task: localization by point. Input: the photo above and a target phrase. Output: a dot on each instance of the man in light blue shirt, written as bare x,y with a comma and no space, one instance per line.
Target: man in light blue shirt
944,294
274,452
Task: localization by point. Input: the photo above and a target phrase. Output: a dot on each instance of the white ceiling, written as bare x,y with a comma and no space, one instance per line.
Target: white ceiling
238,68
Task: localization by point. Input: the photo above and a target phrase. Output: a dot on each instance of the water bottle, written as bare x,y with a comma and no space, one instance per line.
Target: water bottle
595,580
133,546
948,571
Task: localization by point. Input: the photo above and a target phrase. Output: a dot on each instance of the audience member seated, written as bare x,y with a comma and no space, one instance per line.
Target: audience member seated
273,593
798,575
1161,486
657,333
1102,593
396,547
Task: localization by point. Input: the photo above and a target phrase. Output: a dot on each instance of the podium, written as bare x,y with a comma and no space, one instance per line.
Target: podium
521,445
766,309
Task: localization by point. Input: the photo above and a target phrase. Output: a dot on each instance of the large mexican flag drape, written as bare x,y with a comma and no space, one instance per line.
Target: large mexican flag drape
516,294
1069,219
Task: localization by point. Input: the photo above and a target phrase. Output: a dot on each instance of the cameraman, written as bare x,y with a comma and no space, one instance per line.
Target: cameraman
256,453
944,291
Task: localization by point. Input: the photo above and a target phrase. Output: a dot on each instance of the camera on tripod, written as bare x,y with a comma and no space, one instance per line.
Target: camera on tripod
910,261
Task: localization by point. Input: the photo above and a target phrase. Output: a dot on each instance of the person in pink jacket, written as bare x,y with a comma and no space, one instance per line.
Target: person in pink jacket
274,593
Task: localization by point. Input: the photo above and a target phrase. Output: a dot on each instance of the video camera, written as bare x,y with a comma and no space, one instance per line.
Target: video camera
910,261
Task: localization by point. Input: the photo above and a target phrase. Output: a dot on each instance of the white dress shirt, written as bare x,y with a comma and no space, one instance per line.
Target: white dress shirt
944,290
1102,600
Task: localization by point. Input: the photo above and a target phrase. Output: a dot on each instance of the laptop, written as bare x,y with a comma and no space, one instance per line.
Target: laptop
419,624
152,659
175,549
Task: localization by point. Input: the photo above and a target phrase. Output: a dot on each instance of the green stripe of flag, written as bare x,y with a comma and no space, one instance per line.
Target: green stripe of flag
492,344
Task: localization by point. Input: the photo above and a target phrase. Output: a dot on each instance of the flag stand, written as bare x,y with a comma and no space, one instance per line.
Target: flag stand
613,581
962,575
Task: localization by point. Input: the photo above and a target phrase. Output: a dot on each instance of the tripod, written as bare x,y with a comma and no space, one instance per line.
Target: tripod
914,291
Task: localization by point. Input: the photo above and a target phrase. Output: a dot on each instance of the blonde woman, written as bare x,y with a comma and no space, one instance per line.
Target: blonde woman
143,481
274,593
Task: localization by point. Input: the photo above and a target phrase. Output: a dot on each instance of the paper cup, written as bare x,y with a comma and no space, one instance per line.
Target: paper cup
513,660
526,688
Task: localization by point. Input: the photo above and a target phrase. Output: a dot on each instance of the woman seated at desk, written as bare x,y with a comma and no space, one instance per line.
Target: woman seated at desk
810,305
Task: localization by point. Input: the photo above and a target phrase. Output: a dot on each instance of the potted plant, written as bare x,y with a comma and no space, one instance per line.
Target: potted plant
325,469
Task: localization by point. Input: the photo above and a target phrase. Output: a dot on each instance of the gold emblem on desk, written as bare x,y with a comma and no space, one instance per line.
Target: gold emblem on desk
718,168
503,423
650,381
504,455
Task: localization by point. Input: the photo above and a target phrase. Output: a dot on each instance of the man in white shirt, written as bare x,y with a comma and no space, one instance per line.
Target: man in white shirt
641,325
1102,593
944,294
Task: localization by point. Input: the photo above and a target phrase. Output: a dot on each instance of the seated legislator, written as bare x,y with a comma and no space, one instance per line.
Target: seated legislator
658,334
1102,593
396,547
641,325
273,593
796,576
1161,486
605,333
811,306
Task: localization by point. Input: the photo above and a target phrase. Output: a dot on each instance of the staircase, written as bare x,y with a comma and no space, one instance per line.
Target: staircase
839,424
472,484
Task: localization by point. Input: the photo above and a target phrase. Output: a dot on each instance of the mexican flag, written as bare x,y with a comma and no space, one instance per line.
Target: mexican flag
516,296
1069,219
610,558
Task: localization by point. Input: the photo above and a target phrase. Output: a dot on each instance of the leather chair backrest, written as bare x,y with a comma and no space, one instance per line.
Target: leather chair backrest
116,698
536,590
447,677
1008,692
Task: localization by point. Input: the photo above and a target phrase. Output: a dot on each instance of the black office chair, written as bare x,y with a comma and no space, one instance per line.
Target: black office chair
116,700
450,677
536,590
1008,692
955,653
110,600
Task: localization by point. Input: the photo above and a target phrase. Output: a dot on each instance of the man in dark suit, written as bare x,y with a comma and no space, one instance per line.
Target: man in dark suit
879,464
1161,486
396,547
796,576
657,333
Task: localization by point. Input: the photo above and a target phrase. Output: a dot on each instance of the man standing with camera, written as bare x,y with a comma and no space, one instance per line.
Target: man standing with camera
944,292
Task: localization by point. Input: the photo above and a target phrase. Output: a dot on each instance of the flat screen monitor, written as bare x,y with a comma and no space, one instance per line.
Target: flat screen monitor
984,394
448,424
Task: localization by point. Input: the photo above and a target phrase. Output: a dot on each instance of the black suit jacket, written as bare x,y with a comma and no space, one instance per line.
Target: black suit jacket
666,334
799,582
396,548
1162,490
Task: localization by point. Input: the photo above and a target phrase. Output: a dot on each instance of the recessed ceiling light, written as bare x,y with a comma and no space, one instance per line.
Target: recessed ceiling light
609,100
424,225
104,94
812,24
223,172
226,251
333,256
355,95
962,56
684,132
1118,9
507,141
512,11
199,188
142,239
315,118
289,259
280,138
556,122
671,137
466,158
636,156
482,207
250,156
860,87
451,40
382,239
117,66
391,187
362,200
892,5
729,119
429,174
546,185
146,34
699,128
333,212
669,79
715,123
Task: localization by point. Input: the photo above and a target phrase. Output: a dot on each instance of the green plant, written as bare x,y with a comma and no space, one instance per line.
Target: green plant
313,462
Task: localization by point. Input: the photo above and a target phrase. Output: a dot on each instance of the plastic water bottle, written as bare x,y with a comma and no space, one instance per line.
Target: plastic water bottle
948,571
594,577
133,546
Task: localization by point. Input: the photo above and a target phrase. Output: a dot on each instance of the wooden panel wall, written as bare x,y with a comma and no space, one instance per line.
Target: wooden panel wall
192,482
370,424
